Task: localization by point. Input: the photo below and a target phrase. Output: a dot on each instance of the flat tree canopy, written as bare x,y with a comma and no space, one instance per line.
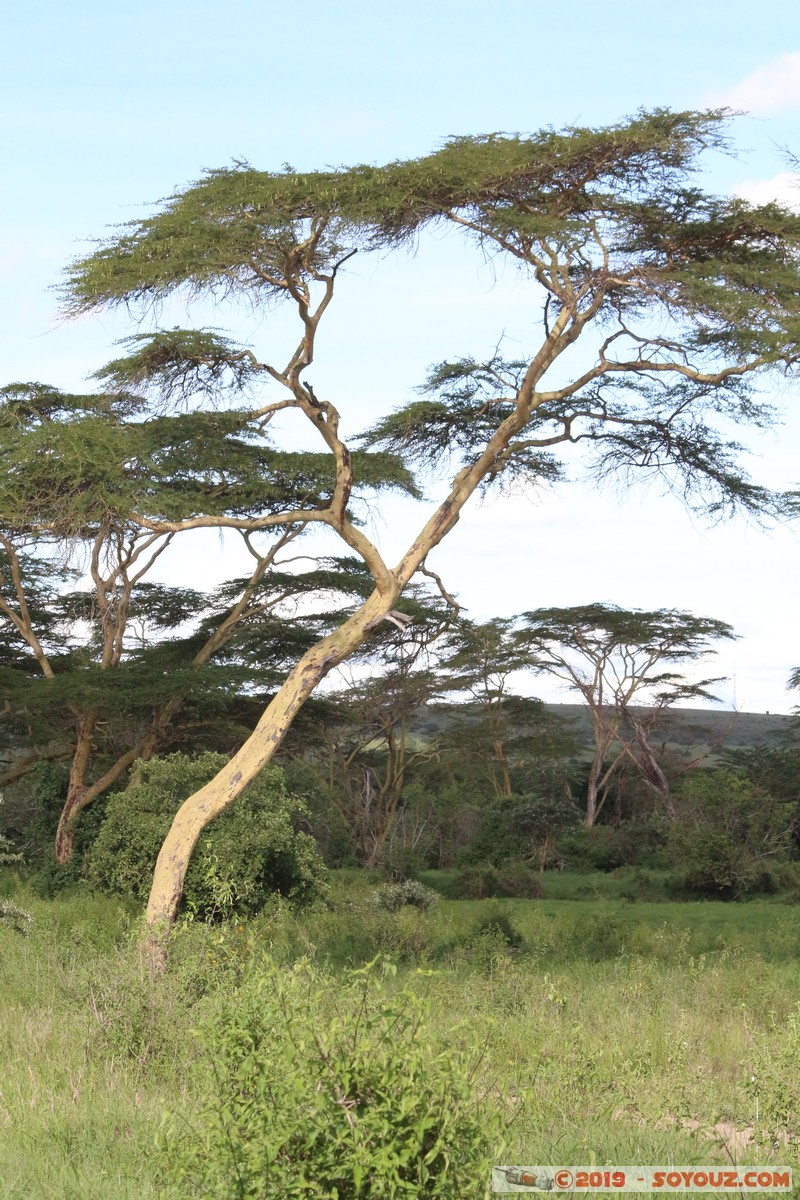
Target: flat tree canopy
616,659
677,303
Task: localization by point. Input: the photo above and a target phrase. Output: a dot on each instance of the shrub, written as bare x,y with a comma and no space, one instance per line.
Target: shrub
320,1087
640,885
725,834
609,847
495,920
488,941
786,876
33,807
250,852
522,826
15,917
7,854
517,881
393,896
513,879
476,883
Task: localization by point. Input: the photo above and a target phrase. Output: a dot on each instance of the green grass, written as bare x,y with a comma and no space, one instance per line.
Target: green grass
625,883
612,1031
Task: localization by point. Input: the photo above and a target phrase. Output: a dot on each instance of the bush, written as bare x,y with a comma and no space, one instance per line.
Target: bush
476,883
514,879
324,1088
522,826
517,881
15,917
32,809
640,885
727,833
609,847
393,896
786,877
495,920
7,854
250,852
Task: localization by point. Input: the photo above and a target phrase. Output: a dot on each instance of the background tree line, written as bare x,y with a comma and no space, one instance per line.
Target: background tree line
430,753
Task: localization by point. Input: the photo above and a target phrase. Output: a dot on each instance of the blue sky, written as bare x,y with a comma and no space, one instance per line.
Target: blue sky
106,108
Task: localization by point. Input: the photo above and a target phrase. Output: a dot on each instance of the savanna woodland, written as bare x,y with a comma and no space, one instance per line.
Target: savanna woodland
302,849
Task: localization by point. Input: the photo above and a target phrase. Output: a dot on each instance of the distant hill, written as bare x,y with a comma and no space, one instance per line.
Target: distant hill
699,727
686,731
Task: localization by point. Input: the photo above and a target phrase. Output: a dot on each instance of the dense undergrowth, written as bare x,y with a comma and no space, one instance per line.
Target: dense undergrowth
584,1030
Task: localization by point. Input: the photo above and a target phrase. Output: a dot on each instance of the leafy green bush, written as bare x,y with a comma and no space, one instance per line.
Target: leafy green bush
522,826
513,879
30,818
476,883
497,921
323,1087
517,881
15,917
609,847
393,896
33,805
640,885
487,941
251,851
7,854
726,833
786,877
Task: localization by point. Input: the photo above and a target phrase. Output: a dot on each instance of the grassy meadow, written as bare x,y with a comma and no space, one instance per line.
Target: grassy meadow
600,1030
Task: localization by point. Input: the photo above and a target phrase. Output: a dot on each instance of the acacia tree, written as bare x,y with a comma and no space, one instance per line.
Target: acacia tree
617,658
99,677
679,299
482,658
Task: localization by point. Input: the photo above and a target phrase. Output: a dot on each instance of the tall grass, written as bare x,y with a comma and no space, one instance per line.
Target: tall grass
611,1031
92,1053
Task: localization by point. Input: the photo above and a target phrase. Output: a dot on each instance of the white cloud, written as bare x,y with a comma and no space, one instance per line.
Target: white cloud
773,87
784,188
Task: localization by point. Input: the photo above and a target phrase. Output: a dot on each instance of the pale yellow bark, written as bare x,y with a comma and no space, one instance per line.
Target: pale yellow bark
208,803
211,800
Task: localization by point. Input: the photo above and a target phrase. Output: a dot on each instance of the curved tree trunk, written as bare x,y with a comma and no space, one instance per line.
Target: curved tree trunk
212,799
80,794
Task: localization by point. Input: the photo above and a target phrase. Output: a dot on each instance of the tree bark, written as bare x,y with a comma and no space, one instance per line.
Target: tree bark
80,795
592,792
76,789
212,799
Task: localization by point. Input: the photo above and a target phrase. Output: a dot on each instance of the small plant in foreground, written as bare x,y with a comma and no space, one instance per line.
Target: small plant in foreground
15,917
323,1087
7,853
773,1080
